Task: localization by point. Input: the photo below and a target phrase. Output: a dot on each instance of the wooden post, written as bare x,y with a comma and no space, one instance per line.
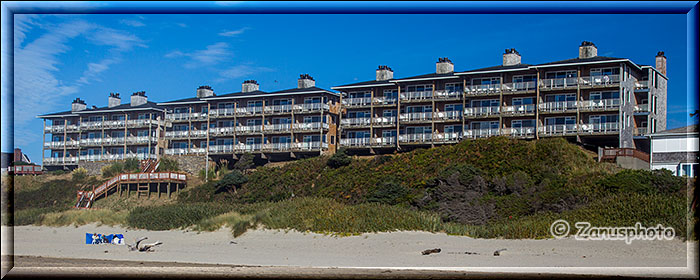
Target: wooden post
189,130
537,106
150,117
159,186
169,187
371,117
398,116
464,104
43,144
65,135
128,190
432,117
149,190
126,133
500,105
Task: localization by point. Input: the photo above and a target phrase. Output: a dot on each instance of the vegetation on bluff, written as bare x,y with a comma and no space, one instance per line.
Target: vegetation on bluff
496,187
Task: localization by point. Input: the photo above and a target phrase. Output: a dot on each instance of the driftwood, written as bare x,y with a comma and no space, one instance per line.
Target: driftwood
145,247
431,251
498,252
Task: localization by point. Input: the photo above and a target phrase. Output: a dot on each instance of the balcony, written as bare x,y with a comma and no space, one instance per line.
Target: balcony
558,130
481,133
222,112
640,131
310,126
559,83
416,138
248,129
482,111
522,87
114,124
177,134
483,89
60,160
310,107
113,141
518,110
519,132
599,105
178,116
141,123
357,102
641,108
106,157
198,133
309,146
176,151
384,141
141,139
600,128
221,149
222,131
384,121
416,117
277,147
91,142
641,85
91,125
448,95
355,142
249,111
449,115
384,101
416,96
350,122
278,109
559,106
448,137
600,81
61,144
278,127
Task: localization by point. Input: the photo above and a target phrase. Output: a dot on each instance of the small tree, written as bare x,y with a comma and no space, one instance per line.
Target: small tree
167,164
132,165
79,174
339,159
231,182
245,162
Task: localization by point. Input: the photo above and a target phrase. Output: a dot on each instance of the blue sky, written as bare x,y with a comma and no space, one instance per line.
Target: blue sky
61,57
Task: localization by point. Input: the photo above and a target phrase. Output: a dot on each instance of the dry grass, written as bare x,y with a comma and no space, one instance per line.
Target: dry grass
83,217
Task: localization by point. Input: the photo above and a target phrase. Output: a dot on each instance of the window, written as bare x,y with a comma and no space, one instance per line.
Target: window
58,122
454,87
117,134
560,97
391,93
253,140
57,138
605,71
312,100
117,117
453,128
484,125
95,119
281,121
603,119
561,74
255,103
418,88
605,95
524,78
332,140
389,113
252,122
419,109
361,114
687,169
116,151
142,116
180,110
524,101
358,134
286,101
486,81
142,133
522,123
312,119
359,94
485,103
389,133
225,105
453,107
180,127
560,120
228,123
418,130
312,138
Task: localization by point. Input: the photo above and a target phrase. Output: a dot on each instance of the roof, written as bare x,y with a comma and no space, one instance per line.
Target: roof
58,114
520,66
123,107
187,100
691,129
372,83
236,94
426,77
302,90
581,60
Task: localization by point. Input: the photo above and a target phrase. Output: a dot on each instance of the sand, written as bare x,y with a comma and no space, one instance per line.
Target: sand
376,250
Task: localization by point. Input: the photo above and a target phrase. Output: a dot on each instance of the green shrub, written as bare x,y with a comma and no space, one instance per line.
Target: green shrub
390,193
58,172
642,181
131,165
79,174
174,216
167,164
339,159
205,174
231,181
245,162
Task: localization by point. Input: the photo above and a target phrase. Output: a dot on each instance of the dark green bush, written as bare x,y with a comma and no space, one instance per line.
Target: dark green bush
245,162
58,172
231,181
389,193
174,216
642,181
167,164
339,159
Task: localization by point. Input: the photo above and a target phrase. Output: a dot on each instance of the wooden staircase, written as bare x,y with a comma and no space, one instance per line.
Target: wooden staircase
142,180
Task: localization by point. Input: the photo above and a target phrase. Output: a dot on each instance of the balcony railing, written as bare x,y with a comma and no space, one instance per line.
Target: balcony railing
641,108
61,144
384,141
559,83
309,146
113,141
384,121
278,109
357,101
311,107
640,131
278,127
445,94
641,85
177,134
603,80
355,142
385,100
416,137
355,121
106,157
219,149
91,142
519,131
559,106
602,104
91,125
481,111
222,112
417,95
176,151
252,110
449,115
558,129
249,129
60,160
519,109
222,131
519,87
607,127
141,122
310,126
407,117
483,89
481,133
278,147
448,137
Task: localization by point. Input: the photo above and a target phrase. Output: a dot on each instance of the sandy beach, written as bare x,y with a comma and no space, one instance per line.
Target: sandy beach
378,250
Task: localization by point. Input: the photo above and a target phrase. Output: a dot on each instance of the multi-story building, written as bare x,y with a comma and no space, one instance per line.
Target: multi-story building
115,132
594,100
288,123
601,101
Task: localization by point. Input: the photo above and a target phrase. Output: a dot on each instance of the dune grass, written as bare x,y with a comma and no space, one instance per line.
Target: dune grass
83,217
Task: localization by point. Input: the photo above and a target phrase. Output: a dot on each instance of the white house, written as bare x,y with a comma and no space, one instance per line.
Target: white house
676,150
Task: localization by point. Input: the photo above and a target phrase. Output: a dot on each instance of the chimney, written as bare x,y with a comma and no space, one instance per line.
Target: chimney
250,86
661,62
384,73
204,91
78,105
113,100
587,50
138,98
444,66
511,57
306,81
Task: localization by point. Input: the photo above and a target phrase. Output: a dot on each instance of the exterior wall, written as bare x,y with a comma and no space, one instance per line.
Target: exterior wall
627,87
192,164
632,163
94,167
